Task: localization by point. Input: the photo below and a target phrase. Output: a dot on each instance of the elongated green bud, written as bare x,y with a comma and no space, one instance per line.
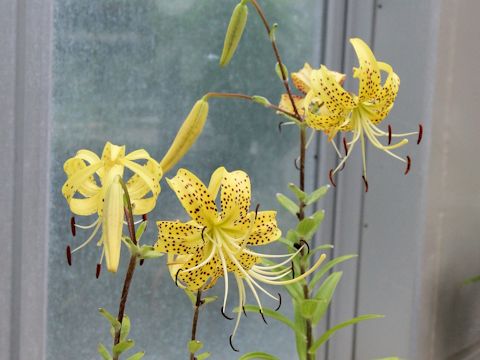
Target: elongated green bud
234,32
186,136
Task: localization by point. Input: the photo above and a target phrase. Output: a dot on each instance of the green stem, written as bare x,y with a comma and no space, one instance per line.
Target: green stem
246,97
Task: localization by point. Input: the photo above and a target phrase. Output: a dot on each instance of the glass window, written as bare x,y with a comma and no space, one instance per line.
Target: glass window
129,72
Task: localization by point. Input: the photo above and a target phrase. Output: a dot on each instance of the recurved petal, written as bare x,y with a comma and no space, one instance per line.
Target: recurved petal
326,86
386,97
138,187
194,196
301,78
286,104
179,238
144,205
87,206
235,196
205,276
80,178
265,229
368,72
215,181
317,115
89,187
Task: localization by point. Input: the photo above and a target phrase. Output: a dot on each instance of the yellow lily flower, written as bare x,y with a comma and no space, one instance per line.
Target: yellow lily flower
97,181
339,110
215,243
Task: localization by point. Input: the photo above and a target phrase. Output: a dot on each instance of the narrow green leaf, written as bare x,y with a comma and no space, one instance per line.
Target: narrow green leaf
191,296
112,319
194,346
234,33
301,195
317,194
125,328
327,334
123,346
210,299
257,356
137,356
102,350
149,252
325,294
308,307
325,268
261,100
288,204
472,280
308,226
140,230
319,248
279,72
203,356
274,315
300,338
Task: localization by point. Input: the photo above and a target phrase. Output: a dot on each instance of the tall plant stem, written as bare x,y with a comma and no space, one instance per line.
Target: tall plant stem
130,271
198,304
301,213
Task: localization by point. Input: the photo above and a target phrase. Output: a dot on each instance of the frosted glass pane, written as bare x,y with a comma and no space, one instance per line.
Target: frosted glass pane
129,72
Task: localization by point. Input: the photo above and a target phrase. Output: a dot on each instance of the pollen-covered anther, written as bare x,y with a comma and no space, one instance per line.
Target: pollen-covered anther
420,133
69,255
365,182
244,311
222,310
330,177
73,229
345,146
98,270
144,217
389,134
141,262
409,165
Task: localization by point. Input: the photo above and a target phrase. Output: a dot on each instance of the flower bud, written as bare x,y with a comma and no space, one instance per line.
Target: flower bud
187,135
113,224
234,32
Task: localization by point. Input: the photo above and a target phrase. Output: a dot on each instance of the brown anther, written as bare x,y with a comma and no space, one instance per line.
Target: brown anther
203,231
73,228
389,134
330,177
420,133
231,344
295,162
280,124
279,302
225,315
409,164
97,271
141,262
176,277
244,312
144,217
293,271
365,182
69,256
256,210
345,146
303,242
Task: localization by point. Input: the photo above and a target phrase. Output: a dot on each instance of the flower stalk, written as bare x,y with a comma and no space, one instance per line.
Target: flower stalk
131,267
198,303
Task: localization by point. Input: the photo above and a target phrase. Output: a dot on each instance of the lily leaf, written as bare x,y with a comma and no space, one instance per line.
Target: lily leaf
137,356
274,315
308,226
123,346
102,350
301,195
288,204
300,338
194,346
203,356
308,307
325,294
140,230
112,319
257,356
325,268
327,334
472,280
317,194
210,299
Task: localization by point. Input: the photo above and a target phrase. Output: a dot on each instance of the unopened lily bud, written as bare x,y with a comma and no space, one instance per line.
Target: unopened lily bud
234,32
187,135
113,224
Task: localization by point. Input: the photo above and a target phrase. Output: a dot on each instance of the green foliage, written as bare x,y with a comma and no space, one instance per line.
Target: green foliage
327,334
257,356
203,356
278,70
472,280
272,314
325,268
288,204
194,346
261,100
